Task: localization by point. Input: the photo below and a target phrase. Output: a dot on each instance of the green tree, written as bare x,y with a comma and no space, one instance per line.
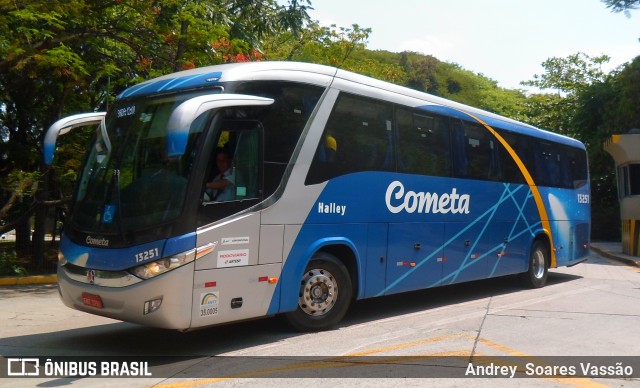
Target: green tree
458,84
568,77
421,71
622,5
62,57
37,71
329,45
549,111
590,105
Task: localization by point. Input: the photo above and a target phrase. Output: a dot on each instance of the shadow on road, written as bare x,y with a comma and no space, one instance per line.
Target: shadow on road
125,339
411,302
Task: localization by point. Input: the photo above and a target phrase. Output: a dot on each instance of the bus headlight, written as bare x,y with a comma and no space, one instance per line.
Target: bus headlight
61,259
158,267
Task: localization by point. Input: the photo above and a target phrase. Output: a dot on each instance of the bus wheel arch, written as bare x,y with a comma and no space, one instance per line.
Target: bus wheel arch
539,263
326,290
347,256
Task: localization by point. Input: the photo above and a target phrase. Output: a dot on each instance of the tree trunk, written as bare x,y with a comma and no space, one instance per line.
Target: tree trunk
23,238
37,239
39,224
182,47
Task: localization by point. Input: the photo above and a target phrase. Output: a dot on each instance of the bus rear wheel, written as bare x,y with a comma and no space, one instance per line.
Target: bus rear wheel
324,296
536,275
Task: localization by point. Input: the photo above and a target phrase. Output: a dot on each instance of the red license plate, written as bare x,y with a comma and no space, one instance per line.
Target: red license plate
92,300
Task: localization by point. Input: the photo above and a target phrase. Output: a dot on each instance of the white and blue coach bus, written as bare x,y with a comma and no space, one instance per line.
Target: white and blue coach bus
338,187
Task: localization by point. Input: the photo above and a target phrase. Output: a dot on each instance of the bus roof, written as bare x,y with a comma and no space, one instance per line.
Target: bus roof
211,75
323,75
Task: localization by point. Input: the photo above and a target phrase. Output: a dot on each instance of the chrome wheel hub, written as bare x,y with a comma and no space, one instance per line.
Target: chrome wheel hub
318,293
538,264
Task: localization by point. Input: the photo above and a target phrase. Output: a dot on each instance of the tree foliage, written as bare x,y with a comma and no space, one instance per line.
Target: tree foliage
63,57
622,5
590,105
570,75
329,45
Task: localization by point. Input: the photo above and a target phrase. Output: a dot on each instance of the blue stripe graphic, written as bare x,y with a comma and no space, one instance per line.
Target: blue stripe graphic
508,194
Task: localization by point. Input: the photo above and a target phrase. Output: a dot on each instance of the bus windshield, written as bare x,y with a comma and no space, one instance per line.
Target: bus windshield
129,182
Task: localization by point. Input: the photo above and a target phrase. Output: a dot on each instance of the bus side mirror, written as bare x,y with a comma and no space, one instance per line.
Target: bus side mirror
182,117
65,125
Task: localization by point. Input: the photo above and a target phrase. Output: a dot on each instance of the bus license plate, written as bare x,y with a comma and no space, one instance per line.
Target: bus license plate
92,300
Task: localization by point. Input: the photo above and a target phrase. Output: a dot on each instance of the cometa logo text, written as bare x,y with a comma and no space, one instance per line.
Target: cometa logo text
103,242
422,202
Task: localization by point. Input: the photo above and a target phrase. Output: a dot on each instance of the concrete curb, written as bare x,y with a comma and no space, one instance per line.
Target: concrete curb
618,256
24,280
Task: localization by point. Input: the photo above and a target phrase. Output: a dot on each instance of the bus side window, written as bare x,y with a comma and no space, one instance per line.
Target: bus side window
424,143
358,137
480,152
460,159
238,160
246,164
547,165
510,170
579,174
283,123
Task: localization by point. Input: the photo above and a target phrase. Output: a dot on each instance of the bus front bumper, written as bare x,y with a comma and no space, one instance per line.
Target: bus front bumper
163,301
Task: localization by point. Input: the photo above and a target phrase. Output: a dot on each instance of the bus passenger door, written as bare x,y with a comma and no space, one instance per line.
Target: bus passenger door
414,256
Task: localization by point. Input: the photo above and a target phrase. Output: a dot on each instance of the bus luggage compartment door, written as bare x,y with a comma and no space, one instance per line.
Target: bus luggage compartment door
415,250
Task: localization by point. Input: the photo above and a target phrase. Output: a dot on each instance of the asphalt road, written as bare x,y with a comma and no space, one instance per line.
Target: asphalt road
587,315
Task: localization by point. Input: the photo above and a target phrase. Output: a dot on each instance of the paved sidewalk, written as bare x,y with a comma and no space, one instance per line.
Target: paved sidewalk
613,250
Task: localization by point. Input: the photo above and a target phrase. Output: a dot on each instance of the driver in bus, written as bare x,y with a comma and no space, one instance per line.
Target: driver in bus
222,187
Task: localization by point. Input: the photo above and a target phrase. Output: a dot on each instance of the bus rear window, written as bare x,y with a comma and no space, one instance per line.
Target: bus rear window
557,165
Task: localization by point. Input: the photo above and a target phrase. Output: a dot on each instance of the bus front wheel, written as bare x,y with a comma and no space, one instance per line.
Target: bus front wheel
536,275
325,294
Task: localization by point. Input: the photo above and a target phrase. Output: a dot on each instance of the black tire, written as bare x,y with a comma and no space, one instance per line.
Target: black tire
325,294
536,275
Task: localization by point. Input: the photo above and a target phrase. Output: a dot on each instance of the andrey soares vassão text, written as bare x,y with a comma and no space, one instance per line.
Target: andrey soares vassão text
582,369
